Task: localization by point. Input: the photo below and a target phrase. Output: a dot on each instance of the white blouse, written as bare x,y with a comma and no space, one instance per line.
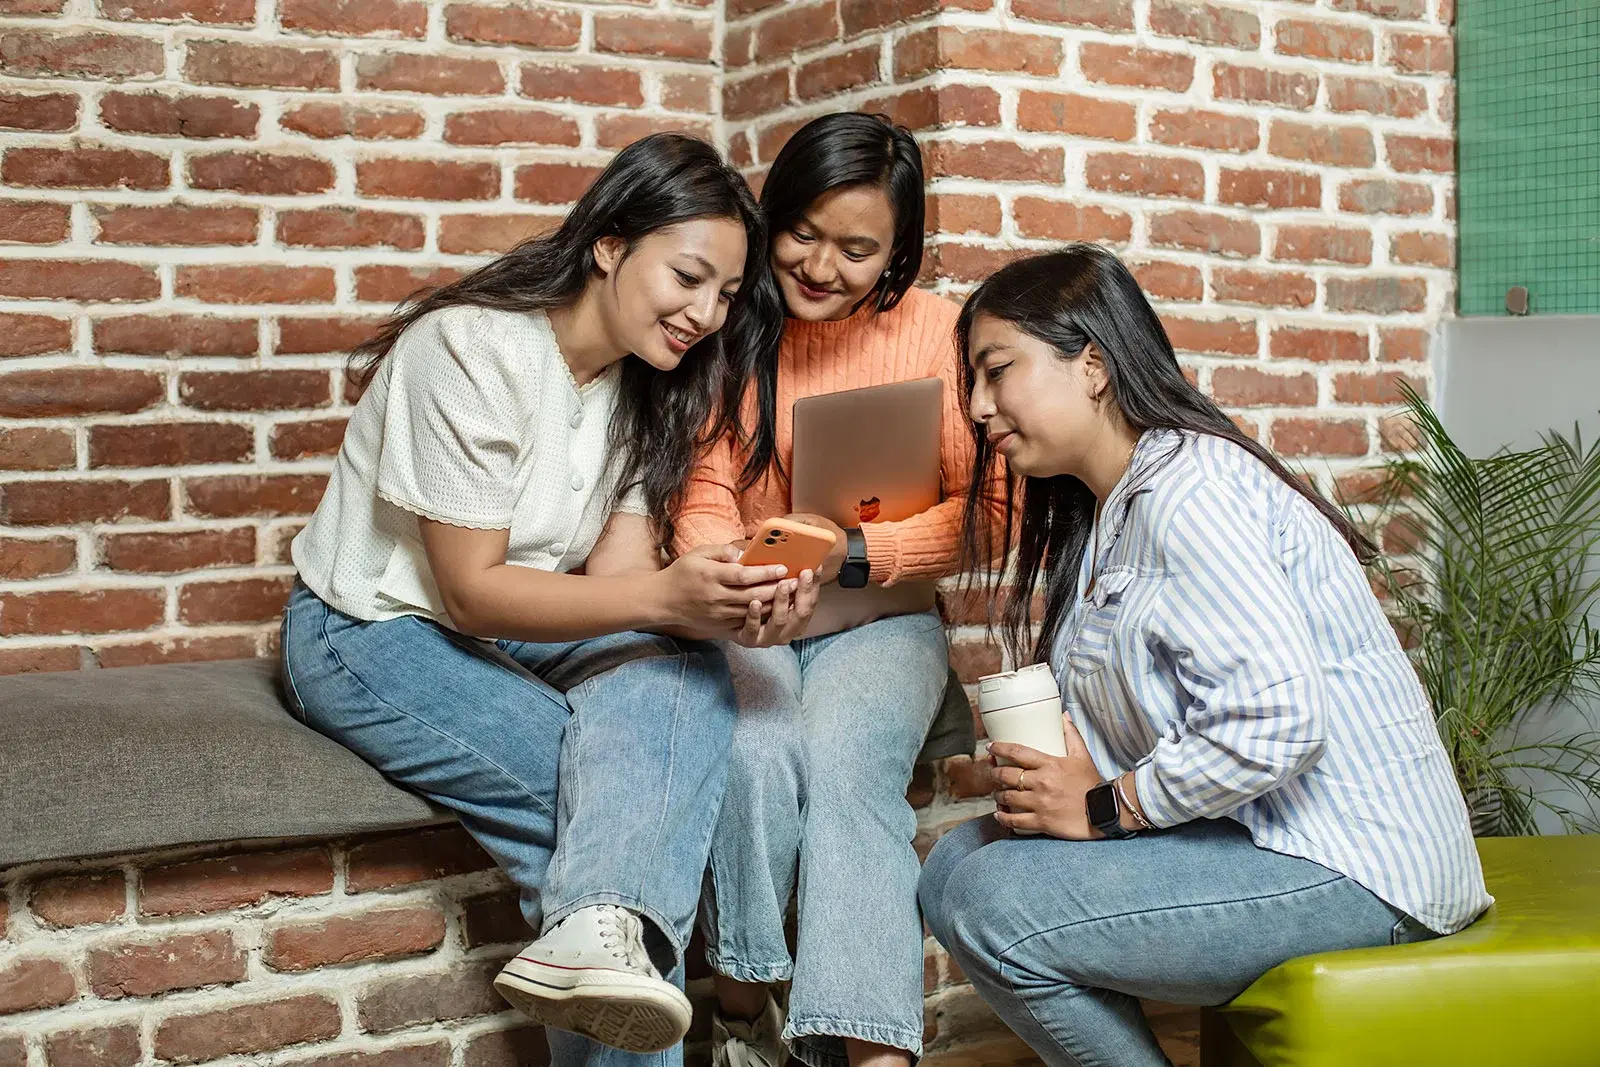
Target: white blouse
474,419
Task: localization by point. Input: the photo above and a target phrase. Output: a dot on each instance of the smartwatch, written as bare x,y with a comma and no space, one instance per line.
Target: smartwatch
853,573
1105,811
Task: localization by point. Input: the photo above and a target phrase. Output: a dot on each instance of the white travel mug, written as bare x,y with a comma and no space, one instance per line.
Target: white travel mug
1023,707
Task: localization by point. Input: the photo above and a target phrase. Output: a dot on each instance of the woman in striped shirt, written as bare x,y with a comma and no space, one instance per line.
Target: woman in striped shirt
1253,771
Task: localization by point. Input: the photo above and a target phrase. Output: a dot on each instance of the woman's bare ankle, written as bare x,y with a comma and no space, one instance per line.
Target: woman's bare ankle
740,1000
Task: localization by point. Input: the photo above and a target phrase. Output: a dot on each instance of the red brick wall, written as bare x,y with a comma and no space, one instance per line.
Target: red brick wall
369,952
204,204
1279,175
378,951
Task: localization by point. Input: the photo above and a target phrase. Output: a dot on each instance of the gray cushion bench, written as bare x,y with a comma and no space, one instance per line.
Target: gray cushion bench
139,758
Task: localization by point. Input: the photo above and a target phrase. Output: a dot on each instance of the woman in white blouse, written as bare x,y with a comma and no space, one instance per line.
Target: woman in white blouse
1252,768
482,612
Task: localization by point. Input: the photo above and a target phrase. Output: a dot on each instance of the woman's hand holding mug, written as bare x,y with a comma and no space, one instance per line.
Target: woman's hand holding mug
1040,793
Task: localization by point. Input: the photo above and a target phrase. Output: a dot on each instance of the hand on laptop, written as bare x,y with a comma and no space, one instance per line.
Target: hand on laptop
835,560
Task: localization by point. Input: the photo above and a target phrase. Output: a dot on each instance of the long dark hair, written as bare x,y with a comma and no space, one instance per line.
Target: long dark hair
832,152
1068,299
663,420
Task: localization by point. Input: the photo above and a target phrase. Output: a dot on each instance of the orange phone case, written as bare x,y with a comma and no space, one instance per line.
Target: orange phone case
796,545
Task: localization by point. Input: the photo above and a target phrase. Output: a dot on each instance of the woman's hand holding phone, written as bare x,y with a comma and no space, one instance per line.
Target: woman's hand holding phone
707,593
790,615
801,548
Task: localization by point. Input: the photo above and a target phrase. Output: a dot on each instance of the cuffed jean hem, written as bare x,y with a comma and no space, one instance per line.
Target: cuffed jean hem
818,1041
744,972
622,900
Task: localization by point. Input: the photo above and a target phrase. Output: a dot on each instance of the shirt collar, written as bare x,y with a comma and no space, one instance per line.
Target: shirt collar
1151,447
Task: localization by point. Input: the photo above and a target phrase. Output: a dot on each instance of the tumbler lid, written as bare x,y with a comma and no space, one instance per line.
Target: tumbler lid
1011,688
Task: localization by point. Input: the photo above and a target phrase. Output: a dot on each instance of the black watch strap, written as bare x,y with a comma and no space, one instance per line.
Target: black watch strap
855,570
1105,811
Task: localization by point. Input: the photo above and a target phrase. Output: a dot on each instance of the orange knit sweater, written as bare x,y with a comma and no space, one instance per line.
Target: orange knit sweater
915,339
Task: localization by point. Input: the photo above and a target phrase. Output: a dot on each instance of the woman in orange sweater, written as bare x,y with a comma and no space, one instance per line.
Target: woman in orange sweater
830,724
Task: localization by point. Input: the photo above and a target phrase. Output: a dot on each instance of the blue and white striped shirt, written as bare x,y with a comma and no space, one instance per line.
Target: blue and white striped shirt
1234,655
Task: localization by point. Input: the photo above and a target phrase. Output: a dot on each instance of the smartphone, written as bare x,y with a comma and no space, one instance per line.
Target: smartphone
796,545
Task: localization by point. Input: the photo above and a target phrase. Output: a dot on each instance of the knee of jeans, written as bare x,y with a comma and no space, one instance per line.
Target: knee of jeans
961,913
947,853
767,763
849,788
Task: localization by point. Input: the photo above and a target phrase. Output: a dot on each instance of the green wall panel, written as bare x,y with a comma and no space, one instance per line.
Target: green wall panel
1528,85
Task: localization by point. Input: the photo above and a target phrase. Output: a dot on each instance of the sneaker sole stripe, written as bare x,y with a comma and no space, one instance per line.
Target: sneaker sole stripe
640,1016
561,967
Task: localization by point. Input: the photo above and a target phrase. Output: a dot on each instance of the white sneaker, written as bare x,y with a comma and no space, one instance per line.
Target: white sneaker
754,1042
591,975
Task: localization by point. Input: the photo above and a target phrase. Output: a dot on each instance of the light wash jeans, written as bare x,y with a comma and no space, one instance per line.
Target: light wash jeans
1060,937
828,733
592,771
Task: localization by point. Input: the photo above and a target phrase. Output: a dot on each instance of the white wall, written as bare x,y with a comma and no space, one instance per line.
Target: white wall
1507,381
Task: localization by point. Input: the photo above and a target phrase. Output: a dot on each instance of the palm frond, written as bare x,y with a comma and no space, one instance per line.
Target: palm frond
1496,593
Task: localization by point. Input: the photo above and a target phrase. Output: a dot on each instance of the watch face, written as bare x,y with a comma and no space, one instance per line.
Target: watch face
1101,802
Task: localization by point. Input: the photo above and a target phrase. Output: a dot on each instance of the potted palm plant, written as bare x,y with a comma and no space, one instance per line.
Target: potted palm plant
1492,584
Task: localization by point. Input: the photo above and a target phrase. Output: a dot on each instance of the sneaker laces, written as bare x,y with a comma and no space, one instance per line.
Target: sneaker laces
622,934
743,1042
736,1052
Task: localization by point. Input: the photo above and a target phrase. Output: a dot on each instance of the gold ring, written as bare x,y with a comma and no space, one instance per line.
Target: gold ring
1020,776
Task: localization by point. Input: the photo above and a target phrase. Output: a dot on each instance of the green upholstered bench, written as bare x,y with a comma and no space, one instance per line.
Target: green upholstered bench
1518,988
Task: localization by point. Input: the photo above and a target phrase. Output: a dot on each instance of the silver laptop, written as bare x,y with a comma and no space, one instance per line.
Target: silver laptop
868,455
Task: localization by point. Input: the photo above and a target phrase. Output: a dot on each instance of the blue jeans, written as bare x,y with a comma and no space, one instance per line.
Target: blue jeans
592,771
1061,937
828,734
